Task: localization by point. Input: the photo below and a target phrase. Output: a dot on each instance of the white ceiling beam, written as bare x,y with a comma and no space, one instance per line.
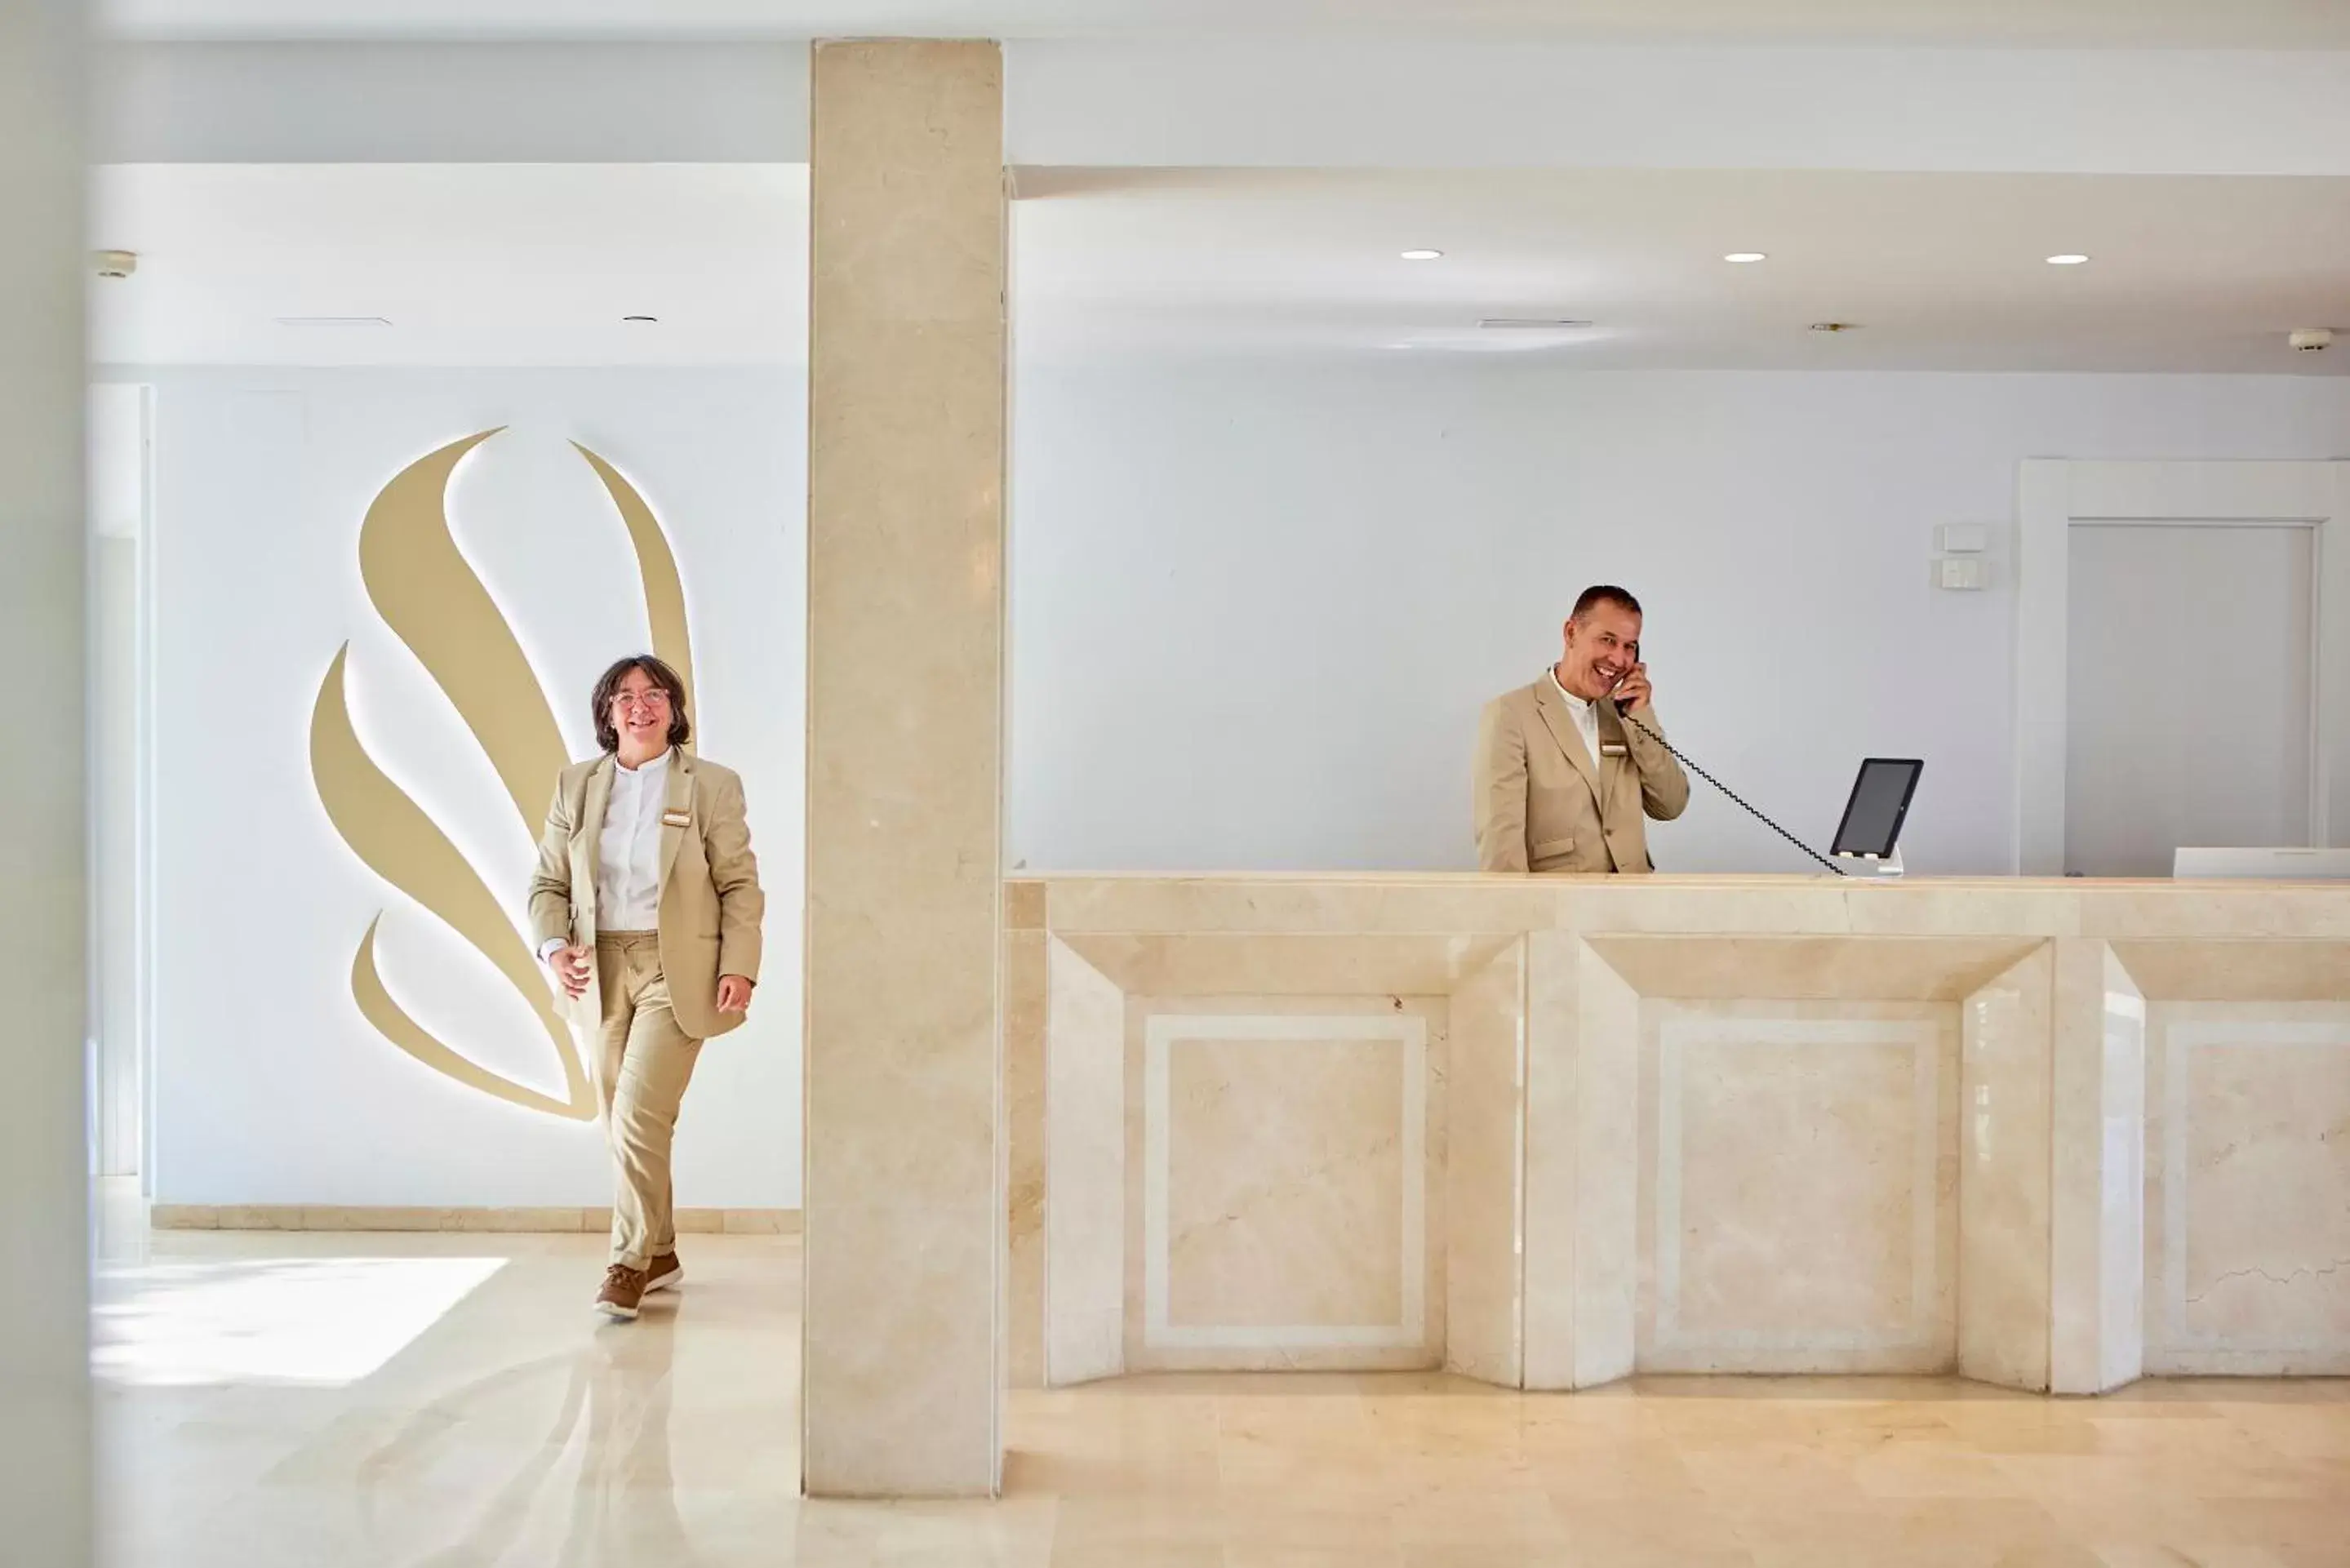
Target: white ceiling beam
452,103
1263,104
1437,105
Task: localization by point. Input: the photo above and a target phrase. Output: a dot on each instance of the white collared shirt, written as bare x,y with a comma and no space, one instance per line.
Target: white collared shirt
1585,715
628,852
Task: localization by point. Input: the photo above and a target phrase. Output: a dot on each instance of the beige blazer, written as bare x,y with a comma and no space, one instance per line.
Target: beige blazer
1543,803
710,904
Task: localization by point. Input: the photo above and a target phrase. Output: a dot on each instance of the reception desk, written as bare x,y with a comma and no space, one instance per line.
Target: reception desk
1550,1132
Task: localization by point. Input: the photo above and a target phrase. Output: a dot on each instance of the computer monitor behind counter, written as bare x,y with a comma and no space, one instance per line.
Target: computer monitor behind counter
1869,836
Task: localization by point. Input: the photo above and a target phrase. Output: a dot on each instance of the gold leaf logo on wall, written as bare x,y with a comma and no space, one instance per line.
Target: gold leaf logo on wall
427,594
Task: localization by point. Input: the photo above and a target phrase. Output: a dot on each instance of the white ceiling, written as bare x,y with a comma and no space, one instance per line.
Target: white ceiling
535,264
1940,271
2228,24
473,263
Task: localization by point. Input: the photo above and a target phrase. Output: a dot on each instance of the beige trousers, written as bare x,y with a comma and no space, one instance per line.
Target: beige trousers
642,1062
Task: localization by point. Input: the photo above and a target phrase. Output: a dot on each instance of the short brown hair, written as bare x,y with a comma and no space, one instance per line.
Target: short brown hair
1599,594
680,728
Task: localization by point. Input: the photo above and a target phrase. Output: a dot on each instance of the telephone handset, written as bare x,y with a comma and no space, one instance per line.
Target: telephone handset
1617,685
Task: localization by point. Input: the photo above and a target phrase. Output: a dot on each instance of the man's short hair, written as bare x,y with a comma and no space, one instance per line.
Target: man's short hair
1600,594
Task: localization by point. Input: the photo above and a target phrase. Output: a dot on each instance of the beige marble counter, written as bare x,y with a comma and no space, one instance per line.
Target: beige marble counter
1548,1132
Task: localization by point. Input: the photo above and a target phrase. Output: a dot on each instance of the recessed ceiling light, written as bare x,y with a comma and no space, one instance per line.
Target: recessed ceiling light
1422,255
1742,257
646,318
2069,258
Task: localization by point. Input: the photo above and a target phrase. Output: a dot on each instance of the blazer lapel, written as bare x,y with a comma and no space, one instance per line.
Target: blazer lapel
1560,725
677,810
1613,754
585,837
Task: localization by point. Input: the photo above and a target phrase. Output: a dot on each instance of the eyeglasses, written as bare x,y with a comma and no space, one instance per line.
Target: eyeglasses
653,699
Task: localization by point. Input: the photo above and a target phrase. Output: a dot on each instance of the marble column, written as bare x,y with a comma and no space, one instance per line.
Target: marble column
906,448
2096,1243
44,1442
1085,1160
1580,1311
2004,1152
1485,1173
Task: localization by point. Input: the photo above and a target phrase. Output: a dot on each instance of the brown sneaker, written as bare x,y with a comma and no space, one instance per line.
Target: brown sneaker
664,1274
624,1288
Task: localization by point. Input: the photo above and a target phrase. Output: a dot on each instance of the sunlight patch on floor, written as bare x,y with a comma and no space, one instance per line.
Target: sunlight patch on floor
323,1322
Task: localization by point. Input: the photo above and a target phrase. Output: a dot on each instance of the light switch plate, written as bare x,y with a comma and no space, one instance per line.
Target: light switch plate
1961,572
1962,538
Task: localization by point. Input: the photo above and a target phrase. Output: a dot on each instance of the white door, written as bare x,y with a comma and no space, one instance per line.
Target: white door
2188,712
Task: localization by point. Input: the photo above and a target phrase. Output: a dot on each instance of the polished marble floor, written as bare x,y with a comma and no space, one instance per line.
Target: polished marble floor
444,1400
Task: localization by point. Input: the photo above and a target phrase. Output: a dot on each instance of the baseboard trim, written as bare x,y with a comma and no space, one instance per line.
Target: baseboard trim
558,1222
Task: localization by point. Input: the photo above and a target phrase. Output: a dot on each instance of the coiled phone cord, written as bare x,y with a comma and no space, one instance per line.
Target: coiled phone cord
1690,764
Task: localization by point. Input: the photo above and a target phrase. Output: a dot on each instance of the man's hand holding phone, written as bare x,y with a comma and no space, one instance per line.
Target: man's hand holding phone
1632,692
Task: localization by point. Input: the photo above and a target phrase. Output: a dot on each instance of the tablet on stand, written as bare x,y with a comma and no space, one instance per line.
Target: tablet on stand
1868,839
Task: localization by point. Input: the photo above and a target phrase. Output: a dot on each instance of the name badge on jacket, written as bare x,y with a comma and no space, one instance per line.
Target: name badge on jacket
676,819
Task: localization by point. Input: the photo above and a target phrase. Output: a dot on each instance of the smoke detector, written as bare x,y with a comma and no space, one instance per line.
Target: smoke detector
115,264
2310,340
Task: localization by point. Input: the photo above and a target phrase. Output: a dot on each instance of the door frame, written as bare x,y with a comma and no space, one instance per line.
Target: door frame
2054,493
121,1087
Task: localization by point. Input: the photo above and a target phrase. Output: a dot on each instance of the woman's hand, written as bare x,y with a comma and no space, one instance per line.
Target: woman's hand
570,966
733,993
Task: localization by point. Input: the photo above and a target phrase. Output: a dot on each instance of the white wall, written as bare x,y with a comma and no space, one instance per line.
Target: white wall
1255,608
270,1087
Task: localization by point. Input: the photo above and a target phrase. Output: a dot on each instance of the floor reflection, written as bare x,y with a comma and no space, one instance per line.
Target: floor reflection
518,1429
295,1398
596,1489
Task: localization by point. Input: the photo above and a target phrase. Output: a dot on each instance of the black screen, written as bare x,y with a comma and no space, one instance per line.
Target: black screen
1872,818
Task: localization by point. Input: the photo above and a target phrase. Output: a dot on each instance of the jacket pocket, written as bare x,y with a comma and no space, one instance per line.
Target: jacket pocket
1550,848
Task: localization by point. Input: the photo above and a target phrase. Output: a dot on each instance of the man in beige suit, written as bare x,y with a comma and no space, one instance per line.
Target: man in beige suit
645,910
1564,784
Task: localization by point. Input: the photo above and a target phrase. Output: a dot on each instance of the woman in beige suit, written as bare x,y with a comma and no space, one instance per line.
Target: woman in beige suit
645,908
